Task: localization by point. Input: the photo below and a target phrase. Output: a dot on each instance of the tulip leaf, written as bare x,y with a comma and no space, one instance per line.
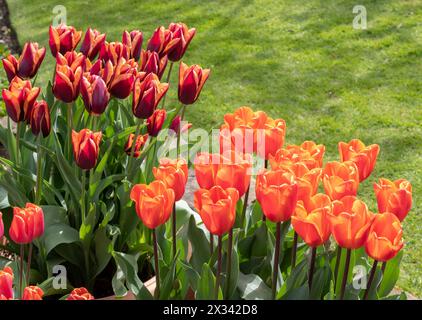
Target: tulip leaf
57,234
321,282
390,276
299,293
168,281
200,245
206,285
252,287
234,273
4,199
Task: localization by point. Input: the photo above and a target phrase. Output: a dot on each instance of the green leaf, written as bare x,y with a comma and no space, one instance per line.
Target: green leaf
206,285
252,287
299,293
103,249
167,285
200,245
58,234
320,283
4,199
391,275
234,273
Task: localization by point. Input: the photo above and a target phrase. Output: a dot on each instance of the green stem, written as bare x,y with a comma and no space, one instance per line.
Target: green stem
211,243
371,278
179,130
311,268
132,150
83,196
276,259
218,275
21,274
38,188
345,274
245,206
28,267
18,139
338,259
168,81
173,229
294,249
157,269
229,261
69,129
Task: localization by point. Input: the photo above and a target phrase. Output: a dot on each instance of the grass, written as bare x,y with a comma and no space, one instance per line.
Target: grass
301,61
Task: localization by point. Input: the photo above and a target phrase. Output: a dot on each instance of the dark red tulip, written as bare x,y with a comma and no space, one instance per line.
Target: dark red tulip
133,41
120,77
162,41
94,94
191,81
180,31
175,125
113,51
151,63
63,39
156,121
92,43
68,77
40,119
147,95
19,99
27,65
86,146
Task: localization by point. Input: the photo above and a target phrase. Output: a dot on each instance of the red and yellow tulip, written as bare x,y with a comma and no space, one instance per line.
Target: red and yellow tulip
86,147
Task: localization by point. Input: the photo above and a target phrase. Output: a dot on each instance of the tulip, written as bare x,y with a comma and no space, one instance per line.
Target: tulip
174,174
180,31
94,94
140,142
385,237
80,294
152,63
92,43
114,51
63,39
86,146
19,99
6,284
68,77
340,179
147,95
350,222
311,220
28,64
175,125
1,225
394,197
153,203
133,40
120,77
230,170
307,180
217,208
277,192
40,119
162,41
364,157
156,121
191,81
273,137
32,293
27,224
308,153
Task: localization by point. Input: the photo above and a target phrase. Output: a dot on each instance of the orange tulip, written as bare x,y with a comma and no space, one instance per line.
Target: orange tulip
340,179
133,41
92,43
120,77
140,142
180,31
68,77
230,170
350,222
394,197
86,147
152,63
113,52
385,237
6,284
277,193
147,95
27,224
364,157
174,173
27,65
217,208
162,41
307,180
273,137
1,225
63,39
80,294
311,220
153,203
32,293
308,152
191,82
40,119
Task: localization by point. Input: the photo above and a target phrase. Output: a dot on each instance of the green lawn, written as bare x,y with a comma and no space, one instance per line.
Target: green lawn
299,60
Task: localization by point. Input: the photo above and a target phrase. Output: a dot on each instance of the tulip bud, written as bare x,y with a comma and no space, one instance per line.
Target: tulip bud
92,43
27,65
68,77
86,147
32,293
217,208
80,294
152,63
340,179
120,77
175,125
394,197
1,225
365,157
147,95
153,203
94,94
162,41
19,99
27,224
180,31
140,142
385,237
174,173
156,121
133,40
6,284
40,119
191,81
63,39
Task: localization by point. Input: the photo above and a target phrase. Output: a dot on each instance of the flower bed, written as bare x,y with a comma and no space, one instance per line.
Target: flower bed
92,192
